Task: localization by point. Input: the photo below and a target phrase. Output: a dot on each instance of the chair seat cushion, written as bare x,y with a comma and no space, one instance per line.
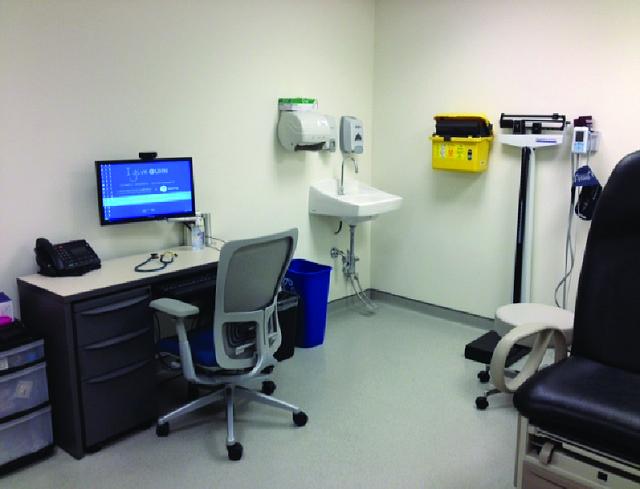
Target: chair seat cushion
585,401
201,342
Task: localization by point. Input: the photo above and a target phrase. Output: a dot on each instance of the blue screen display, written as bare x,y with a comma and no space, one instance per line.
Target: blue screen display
143,190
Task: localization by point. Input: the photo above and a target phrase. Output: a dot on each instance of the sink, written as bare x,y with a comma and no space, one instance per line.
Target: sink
359,203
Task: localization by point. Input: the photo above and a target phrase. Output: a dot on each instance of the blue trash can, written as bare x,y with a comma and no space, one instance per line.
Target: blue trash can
311,282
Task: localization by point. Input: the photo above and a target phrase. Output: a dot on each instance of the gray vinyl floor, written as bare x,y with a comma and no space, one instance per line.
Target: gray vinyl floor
390,400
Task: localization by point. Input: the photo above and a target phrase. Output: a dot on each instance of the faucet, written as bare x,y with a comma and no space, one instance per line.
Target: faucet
341,186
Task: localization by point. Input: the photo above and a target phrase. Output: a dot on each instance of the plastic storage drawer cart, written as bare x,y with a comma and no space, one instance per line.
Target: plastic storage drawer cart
461,142
25,416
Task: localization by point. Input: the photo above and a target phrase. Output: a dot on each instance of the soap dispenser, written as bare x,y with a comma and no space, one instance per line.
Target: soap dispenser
351,135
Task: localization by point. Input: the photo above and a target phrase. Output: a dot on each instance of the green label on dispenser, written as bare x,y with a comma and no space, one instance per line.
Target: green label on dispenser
297,100
297,103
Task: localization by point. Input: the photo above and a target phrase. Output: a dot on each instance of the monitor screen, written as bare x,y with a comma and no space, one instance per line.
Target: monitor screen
143,190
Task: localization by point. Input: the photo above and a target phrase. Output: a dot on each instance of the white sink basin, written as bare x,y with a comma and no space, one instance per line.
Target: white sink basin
359,203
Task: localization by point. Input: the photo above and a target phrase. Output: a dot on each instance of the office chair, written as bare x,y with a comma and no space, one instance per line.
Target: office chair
579,419
238,350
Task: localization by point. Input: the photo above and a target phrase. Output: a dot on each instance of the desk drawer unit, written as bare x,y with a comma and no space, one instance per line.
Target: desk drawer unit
99,337
118,401
114,336
104,356
111,316
113,332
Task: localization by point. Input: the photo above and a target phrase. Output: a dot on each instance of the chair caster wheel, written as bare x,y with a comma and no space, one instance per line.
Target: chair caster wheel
482,403
162,430
300,419
483,376
268,387
234,451
267,370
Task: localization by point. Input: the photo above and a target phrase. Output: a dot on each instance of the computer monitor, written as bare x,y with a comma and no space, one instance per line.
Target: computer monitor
145,190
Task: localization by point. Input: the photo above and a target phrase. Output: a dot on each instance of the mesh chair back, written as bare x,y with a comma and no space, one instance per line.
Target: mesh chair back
254,274
249,275
607,316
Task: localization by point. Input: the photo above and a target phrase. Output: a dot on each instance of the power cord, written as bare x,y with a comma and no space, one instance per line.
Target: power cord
569,249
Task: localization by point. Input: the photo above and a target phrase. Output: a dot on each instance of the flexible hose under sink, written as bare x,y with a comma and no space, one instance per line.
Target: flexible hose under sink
355,283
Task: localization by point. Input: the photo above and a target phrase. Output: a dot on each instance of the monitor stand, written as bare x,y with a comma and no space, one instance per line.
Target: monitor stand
186,233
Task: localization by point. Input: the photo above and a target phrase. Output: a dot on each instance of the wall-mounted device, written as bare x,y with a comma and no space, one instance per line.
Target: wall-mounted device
584,195
351,134
65,259
585,140
580,140
307,130
145,190
461,142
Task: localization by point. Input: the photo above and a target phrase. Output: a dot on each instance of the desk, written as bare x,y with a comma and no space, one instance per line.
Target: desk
99,342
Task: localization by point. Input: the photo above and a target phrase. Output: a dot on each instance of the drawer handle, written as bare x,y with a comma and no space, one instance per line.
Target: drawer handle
118,373
116,306
117,340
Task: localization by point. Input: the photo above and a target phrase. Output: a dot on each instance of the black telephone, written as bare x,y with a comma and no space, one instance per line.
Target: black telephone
65,259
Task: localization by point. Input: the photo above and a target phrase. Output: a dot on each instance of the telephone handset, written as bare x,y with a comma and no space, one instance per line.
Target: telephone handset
65,259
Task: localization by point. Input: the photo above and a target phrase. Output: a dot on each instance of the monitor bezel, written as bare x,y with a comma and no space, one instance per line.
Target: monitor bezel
162,217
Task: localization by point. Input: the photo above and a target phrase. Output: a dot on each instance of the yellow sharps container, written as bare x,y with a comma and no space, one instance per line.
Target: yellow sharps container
461,142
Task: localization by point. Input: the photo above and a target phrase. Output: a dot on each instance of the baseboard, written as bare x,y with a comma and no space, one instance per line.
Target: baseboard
345,303
441,312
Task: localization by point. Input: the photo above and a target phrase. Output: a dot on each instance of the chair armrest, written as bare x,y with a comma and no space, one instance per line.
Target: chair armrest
544,333
179,310
174,307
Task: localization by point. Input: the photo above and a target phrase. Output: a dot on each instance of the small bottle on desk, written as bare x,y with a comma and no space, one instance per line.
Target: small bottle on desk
197,234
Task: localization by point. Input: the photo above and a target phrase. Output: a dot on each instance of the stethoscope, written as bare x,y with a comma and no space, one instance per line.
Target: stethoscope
165,259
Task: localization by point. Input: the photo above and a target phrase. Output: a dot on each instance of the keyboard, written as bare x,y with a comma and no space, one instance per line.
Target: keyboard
183,286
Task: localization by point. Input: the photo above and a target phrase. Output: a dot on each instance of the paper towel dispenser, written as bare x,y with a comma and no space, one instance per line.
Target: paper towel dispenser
307,130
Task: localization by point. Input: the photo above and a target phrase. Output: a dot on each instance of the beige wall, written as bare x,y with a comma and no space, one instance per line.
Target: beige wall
87,80
453,242
81,81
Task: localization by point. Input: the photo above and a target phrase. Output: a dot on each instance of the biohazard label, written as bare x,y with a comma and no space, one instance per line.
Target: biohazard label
453,152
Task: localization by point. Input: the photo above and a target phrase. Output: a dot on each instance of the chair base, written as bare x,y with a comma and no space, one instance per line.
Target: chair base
482,402
228,394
